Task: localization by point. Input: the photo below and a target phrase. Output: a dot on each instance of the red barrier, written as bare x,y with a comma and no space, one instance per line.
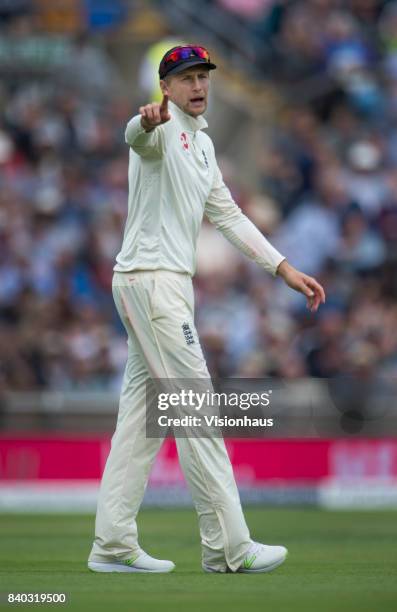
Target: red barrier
76,457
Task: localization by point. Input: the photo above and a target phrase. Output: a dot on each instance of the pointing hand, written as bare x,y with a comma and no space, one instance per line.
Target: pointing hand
154,114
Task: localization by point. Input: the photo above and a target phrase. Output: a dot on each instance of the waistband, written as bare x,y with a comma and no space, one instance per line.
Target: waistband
124,278
158,272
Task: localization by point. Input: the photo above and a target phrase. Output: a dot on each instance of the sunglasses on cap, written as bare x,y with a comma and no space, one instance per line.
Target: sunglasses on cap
184,53
178,56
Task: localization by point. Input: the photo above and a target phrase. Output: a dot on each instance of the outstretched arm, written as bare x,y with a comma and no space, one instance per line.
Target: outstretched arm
224,213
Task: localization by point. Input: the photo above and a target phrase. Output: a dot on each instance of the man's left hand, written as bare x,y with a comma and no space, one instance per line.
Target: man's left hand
303,283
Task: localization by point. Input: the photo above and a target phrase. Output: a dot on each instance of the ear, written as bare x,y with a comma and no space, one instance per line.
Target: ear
164,87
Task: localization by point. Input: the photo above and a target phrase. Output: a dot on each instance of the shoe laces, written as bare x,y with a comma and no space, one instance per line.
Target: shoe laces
255,549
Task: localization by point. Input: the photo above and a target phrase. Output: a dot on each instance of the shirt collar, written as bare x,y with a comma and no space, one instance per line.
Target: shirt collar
191,124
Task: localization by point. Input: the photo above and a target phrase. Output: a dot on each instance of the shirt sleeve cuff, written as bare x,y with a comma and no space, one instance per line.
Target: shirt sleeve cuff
135,129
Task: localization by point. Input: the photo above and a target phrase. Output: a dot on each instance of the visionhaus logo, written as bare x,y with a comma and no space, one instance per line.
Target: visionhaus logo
213,421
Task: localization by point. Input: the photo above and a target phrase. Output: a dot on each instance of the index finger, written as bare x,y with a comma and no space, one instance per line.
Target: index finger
164,102
313,284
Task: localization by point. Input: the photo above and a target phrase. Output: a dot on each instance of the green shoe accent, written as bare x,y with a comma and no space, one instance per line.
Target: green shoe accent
130,562
248,562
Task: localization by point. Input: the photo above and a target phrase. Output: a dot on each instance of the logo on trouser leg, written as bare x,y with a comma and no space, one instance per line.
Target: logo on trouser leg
187,332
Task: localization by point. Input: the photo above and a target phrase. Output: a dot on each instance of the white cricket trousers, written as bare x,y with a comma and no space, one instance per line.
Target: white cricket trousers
153,306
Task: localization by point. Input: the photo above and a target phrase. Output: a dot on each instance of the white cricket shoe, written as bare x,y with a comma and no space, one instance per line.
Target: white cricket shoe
143,563
262,558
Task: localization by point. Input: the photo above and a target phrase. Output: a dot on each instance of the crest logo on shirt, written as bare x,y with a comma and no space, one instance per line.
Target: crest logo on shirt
187,332
184,141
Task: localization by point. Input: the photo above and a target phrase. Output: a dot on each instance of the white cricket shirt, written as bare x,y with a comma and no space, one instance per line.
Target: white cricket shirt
174,180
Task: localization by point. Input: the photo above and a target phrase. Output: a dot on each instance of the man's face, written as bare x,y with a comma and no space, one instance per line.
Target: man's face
188,89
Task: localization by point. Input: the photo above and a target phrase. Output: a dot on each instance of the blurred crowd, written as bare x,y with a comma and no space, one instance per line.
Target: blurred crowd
327,200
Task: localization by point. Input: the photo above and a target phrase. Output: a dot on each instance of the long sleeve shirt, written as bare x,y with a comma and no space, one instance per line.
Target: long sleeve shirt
174,180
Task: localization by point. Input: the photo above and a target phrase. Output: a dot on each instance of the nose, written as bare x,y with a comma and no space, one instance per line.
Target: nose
196,84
